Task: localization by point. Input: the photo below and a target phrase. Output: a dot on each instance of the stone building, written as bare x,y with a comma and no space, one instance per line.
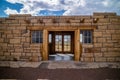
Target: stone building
33,38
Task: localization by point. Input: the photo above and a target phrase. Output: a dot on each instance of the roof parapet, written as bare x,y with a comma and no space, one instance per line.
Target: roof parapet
20,15
104,14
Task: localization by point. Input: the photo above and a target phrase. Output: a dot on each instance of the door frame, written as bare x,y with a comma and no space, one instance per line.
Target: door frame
62,33
76,43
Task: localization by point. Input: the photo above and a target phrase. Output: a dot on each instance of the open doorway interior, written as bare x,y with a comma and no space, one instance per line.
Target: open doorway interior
61,45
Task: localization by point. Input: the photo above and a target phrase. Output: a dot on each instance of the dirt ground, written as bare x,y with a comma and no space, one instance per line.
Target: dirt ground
59,74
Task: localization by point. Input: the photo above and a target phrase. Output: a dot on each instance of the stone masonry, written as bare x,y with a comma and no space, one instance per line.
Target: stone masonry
15,36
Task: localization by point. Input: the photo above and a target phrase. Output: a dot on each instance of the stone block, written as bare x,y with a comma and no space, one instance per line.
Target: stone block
104,49
94,40
64,24
7,54
1,40
34,58
117,59
15,21
16,54
21,28
84,24
9,36
9,58
75,21
51,24
16,31
96,50
11,27
97,44
112,54
14,41
4,36
35,50
117,31
36,54
4,45
98,54
87,54
1,53
47,20
111,59
23,39
34,20
112,41
113,19
110,31
8,32
102,27
101,40
116,36
4,64
18,49
89,59
114,27
29,54
26,45
104,20
27,50
75,24
27,39
17,46
87,45
108,45
107,35
2,58
114,49
88,20
97,34
88,50
100,59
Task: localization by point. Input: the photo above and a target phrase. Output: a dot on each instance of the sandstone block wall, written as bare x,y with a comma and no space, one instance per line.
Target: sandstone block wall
15,36
106,39
15,40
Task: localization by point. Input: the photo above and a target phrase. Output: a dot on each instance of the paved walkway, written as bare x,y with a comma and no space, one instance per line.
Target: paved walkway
59,70
60,64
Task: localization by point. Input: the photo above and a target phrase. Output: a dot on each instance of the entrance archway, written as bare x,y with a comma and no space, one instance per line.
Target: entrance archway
61,45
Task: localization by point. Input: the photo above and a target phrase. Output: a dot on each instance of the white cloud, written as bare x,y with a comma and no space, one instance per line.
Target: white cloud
105,3
10,11
71,7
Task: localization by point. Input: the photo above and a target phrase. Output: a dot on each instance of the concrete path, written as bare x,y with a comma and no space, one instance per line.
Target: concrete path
60,64
59,70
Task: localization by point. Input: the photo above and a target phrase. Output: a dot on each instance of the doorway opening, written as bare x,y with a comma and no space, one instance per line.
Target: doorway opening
61,45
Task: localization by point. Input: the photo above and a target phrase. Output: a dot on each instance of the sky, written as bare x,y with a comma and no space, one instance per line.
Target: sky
57,7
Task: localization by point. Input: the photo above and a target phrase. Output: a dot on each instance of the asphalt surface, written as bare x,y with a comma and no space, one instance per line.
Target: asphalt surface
59,74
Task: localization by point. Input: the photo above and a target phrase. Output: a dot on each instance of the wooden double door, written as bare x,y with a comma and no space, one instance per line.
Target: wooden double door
61,42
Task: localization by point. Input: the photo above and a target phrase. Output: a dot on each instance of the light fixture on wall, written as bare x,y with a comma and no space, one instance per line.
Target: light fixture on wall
27,21
95,20
82,20
54,21
105,16
40,21
67,21
0,22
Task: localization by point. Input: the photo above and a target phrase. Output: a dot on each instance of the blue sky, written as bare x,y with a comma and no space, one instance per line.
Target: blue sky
57,7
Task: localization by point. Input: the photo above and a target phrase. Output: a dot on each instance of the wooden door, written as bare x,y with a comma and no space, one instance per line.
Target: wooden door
62,42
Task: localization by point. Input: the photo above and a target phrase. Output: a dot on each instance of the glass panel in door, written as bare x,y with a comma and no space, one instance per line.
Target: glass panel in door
67,43
58,43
